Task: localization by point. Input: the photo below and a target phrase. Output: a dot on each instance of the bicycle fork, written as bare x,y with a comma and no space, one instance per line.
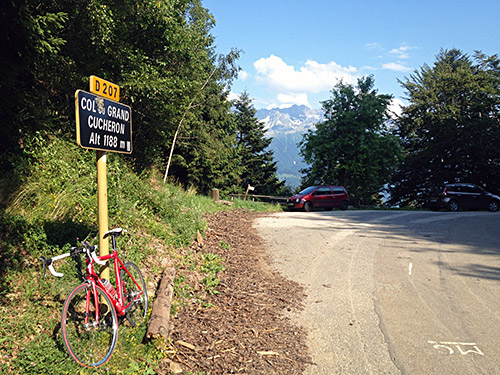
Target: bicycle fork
92,298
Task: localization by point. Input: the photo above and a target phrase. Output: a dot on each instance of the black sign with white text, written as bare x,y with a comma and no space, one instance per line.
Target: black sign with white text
102,124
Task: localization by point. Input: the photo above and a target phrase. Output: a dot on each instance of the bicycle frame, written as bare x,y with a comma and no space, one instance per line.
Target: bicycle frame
94,279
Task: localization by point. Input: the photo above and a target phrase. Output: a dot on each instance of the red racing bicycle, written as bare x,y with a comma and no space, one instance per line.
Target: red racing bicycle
93,310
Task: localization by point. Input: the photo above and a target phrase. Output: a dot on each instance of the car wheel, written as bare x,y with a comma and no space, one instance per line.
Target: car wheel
453,206
493,206
308,206
344,205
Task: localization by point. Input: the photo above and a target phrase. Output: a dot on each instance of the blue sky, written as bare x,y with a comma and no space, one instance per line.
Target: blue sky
295,51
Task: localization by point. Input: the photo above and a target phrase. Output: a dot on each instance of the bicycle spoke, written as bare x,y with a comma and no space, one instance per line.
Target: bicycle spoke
89,341
134,293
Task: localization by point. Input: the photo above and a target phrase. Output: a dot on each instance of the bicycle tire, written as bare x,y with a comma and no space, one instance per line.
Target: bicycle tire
138,311
93,344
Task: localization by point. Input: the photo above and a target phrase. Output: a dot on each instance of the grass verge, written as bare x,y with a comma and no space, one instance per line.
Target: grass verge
48,204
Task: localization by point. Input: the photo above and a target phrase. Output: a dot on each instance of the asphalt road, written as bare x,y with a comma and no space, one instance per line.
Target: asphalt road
393,292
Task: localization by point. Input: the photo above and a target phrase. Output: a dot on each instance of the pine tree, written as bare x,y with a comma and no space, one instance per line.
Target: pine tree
259,167
207,154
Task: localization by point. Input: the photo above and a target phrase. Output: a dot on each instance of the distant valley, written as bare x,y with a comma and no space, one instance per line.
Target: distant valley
286,126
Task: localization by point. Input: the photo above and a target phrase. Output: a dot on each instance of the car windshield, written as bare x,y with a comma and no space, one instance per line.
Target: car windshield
307,190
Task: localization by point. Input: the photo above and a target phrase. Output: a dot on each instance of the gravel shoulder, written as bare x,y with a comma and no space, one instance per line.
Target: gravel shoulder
246,329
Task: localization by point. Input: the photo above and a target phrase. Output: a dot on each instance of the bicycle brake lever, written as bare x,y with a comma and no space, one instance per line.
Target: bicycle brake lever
48,263
44,265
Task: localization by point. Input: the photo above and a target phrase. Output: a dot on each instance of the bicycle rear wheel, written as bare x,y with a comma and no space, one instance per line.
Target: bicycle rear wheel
134,293
90,344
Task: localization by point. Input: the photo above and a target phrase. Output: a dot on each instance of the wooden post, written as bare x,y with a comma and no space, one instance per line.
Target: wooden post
246,192
102,204
214,194
248,189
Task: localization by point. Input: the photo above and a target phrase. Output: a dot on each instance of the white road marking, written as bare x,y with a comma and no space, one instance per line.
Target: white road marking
458,345
410,268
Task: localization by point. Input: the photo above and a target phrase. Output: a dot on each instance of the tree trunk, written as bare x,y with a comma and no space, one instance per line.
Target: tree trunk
160,315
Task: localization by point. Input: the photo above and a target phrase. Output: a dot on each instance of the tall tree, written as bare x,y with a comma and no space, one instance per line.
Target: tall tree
207,155
159,52
450,129
259,167
352,146
31,42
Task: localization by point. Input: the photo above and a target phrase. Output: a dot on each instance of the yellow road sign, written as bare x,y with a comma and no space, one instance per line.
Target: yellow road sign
104,88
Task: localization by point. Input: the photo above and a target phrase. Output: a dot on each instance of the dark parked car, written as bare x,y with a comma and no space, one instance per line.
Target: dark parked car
463,196
324,196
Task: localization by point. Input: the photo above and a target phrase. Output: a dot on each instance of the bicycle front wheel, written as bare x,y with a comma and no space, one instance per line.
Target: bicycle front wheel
134,293
90,341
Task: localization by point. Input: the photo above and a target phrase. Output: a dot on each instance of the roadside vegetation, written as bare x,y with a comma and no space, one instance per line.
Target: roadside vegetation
50,202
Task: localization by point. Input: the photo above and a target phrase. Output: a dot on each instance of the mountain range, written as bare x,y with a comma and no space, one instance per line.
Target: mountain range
286,126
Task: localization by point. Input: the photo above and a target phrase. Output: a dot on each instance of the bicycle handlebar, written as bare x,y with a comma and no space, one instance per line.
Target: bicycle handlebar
48,263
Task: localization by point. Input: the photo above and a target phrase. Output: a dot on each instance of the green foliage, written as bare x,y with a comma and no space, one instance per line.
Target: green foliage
182,293
211,265
34,359
45,29
53,172
259,167
256,206
450,129
162,56
352,147
205,155
61,190
224,245
54,203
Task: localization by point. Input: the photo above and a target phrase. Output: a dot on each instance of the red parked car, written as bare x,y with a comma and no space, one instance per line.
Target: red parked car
323,196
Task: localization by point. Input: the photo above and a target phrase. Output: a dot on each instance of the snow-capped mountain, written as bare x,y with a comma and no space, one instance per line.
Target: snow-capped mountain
297,118
286,126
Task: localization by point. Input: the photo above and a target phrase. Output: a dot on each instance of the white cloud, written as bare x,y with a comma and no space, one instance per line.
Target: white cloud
396,66
312,77
272,105
401,52
233,96
374,45
242,75
288,100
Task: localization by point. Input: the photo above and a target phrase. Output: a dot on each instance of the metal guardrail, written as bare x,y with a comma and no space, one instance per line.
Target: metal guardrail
271,198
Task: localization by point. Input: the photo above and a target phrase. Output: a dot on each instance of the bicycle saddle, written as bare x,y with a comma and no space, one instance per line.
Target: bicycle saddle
114,232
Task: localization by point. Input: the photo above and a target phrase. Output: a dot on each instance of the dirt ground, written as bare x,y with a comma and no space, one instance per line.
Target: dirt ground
246,331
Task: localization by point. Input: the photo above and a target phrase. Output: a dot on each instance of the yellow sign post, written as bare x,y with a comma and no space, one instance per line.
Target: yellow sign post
103,125
102,204
104,88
